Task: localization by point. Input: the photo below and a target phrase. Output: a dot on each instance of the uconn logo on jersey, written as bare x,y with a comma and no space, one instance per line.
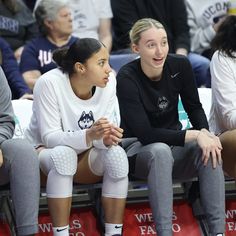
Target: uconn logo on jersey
86,120
45,57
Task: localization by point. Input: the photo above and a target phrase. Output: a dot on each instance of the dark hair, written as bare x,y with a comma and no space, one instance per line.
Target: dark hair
224,40
80,51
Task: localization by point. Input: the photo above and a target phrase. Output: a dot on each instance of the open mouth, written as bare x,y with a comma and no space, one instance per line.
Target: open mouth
158,60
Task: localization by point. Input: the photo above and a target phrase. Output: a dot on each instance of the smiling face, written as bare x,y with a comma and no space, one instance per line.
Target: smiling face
153,49
97,68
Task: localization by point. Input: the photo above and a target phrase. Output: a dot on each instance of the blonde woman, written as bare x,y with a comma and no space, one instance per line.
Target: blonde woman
148,92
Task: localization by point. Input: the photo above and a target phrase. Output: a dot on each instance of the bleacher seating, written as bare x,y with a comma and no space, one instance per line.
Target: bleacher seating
118,60
86,195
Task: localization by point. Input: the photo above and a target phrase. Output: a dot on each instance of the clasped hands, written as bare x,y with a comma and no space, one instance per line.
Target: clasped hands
103,129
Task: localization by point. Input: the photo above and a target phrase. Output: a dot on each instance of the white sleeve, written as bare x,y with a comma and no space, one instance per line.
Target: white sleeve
200,37
224,89
114,116
112,112
49,119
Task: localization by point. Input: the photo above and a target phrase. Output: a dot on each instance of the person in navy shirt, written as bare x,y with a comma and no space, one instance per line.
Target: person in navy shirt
17,24
55,24
19,88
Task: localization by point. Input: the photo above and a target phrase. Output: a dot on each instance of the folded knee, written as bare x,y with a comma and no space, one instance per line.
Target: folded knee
160,152
116,162
62,158
19,150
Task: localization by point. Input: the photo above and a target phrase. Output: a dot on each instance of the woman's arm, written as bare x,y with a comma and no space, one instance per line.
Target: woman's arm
104,32
49,118
135,117
30,64
224,89
12,72
7,123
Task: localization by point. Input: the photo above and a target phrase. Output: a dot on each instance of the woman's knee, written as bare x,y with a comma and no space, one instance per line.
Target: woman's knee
228,141
19,150
116,162
160,153
61,158
194,154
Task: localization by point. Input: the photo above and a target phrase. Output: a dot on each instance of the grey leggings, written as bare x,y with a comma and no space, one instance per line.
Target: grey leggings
21,169
159,163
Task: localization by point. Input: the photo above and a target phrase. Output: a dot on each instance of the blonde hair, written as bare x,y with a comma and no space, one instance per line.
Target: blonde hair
141,26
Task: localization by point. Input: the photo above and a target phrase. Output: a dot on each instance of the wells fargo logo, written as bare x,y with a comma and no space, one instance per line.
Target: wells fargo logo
139,220
230,214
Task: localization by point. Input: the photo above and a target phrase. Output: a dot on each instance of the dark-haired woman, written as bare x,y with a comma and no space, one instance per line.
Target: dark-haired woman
76,118
223,110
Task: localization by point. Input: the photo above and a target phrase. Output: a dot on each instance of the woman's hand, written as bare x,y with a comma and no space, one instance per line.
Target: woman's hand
98,130
27,96
211,147
217,140
113,136
18,52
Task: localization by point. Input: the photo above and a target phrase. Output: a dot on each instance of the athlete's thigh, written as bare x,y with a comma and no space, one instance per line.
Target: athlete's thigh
83,174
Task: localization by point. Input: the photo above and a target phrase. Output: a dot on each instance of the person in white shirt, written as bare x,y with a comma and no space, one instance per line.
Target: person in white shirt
75,127
92,19
204,19
223,109
55,25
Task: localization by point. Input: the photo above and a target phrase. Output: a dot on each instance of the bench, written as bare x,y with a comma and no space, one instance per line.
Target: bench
89,194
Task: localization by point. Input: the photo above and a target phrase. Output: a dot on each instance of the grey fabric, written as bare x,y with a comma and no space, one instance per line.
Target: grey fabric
6,111
21,169
160,163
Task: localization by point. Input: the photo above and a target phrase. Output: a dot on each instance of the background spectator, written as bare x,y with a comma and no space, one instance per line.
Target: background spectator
172,14
55,24
19,88
30,4
17,24
92,19
204,19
